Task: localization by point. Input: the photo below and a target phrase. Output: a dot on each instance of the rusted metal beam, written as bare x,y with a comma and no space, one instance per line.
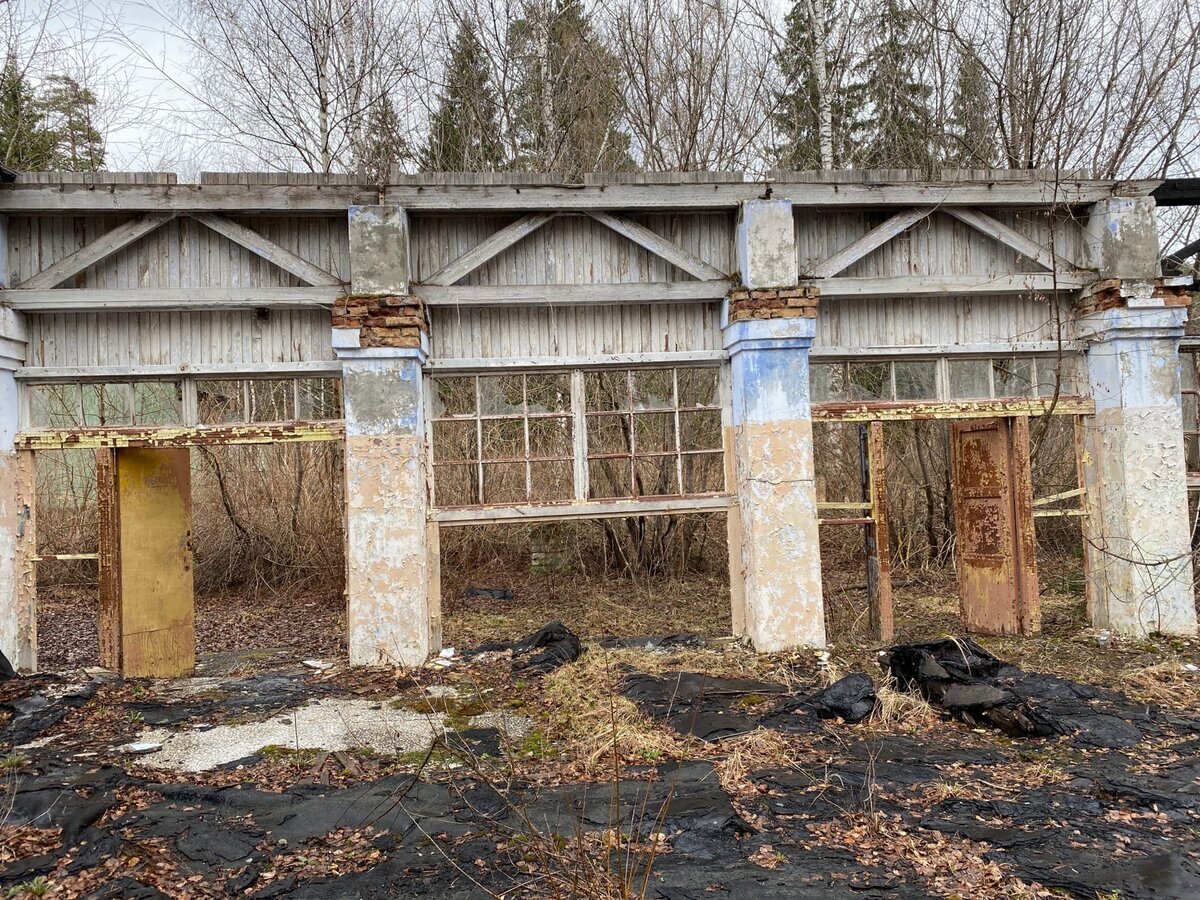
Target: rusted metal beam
1029,604
962,409
108,510
179,436
879,564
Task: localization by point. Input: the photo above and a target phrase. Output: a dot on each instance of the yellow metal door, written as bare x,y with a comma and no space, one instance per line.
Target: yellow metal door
155,614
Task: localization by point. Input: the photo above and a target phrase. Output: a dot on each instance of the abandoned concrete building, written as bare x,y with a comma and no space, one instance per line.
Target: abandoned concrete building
494,349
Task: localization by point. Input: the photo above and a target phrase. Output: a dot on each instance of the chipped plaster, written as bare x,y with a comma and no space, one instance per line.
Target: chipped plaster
776,485
765,244
1139,530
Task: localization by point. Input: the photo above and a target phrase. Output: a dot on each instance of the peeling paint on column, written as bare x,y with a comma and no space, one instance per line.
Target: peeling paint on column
765,243
18,617
776,486
388,578
1139,529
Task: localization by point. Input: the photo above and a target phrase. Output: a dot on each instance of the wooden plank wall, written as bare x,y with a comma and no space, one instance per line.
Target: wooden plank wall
940,245
184,254
236,337
573,249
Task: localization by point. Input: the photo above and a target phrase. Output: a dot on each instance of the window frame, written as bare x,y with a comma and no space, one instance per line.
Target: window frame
582,455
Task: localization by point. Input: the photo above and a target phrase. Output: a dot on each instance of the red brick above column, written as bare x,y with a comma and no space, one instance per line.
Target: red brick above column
382,321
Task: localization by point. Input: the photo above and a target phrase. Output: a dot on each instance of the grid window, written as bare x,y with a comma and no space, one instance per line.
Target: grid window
502,439
949,378
215,401
653,433
1189,370
599,435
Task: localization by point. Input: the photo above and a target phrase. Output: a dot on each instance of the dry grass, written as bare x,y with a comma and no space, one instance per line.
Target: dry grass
1166,683
594,724
760,749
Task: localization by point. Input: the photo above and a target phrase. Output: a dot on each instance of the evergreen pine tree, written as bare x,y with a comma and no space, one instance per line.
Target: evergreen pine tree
974,132
385,144
68,111
898,128
567,96
25,141
800,102
464,135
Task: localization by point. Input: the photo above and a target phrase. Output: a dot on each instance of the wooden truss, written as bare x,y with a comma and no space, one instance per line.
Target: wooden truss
1065,273
137,228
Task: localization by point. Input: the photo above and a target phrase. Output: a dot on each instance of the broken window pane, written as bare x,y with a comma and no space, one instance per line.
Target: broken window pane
503,439
829,382
870,381
550,437
320,399
1012,377
456,485
916,380
157,403
106,404
220,402
656,476
609,478
608,434
502,395
700,430
654,389
969,379
271,400
54,406
551,481
455,441
698,387
548,393
703,473
654,432
504,482
606,391
454,397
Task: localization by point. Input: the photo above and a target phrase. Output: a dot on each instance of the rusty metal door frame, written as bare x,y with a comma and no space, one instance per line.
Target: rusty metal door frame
1000,528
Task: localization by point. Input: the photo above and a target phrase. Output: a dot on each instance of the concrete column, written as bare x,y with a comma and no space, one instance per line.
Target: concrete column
380,334
1139,531
18,619
771,325
388,572
775,482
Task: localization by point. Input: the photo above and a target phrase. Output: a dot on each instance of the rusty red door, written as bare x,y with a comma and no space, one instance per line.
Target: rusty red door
993,517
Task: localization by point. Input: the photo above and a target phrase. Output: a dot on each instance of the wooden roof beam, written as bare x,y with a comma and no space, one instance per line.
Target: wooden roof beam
489,248
659,246
100,249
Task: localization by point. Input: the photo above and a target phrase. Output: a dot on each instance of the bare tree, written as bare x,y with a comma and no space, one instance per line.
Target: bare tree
296,82
697,81
1110,87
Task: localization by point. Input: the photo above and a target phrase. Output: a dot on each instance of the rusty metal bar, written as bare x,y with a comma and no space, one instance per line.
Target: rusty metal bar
179,436
882,616
62,557
109,514
964,409
1051,513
